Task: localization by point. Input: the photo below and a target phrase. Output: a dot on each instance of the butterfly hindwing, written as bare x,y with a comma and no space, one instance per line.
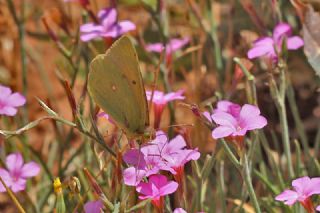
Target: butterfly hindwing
115,84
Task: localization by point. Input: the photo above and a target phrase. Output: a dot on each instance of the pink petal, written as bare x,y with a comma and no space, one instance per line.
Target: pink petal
313,187
318,208
156,47
174,96
281,30
175,144
126,26
222,131
93,206
14,162
300,184
263,46
91,28
176,44
108,17
158,180
18,185
224,119
9,111
89,36
169,188
288,196
249,110
4,174
179,210
134,157
30,169
257,122
16,99
132,176
4,91
145,189
294,42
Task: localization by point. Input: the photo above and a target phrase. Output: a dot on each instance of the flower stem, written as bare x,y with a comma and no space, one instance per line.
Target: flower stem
278,95
12,196
248,182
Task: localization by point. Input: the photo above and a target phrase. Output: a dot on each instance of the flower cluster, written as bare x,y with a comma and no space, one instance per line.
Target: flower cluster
107,27
158,155
234,120
303,189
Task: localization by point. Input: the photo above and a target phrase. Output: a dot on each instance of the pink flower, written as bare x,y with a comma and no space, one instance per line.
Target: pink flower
174,152
18,172
233,121
93,206
106,116
172,46
303,189
270,46
156,188
107,27
160,100
179,210
144,163
10,101
318,208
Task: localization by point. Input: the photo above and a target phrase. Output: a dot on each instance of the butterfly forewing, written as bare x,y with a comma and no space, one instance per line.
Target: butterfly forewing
115,84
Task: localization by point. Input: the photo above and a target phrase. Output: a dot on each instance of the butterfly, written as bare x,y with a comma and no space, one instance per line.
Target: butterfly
115,83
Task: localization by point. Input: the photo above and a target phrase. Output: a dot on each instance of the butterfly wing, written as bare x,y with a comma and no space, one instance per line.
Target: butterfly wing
115,84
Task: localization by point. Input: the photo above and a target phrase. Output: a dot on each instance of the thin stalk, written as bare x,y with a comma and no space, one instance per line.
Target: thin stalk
230,154
248,181
297,119
222,189
13,197
278,94
19,21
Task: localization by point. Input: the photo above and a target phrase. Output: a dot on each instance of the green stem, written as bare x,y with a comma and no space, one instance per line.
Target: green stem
230,154
21,34
297,120
248,181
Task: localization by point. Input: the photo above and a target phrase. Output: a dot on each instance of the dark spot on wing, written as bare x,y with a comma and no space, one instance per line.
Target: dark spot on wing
123,76
134,82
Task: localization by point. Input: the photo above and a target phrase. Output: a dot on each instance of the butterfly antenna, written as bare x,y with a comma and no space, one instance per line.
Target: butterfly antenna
154,84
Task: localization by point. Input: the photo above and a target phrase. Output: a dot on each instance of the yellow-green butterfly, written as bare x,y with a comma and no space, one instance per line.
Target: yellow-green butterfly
115,84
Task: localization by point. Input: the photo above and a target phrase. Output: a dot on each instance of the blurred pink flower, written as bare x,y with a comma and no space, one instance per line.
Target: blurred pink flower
303,189
172,46
107,27
233,122
17,174
318,208
84,3
265,46
106,116
179,210
93,206
160,100
156,188
10,101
